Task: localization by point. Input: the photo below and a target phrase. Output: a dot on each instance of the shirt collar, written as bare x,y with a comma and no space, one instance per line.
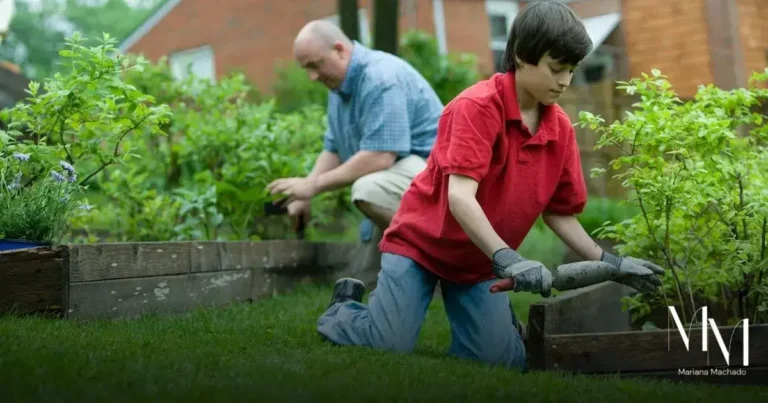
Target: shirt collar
512,111
354,69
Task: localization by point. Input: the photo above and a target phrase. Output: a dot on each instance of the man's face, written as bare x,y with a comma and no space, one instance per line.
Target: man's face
547,80
325,64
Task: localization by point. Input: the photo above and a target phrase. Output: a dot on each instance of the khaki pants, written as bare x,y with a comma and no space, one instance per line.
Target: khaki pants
384,189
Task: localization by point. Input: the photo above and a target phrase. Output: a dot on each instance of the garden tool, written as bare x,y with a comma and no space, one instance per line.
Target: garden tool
576,275
279,208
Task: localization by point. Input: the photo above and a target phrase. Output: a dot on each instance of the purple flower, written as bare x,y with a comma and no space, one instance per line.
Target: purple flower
67,167
57,176
72,178
85,206
21,156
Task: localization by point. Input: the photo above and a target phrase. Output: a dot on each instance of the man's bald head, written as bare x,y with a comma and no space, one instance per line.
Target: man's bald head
324,51
323,33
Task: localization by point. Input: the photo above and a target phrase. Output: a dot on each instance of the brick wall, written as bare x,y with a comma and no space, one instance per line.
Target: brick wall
753,34
468,31
670,36
253,35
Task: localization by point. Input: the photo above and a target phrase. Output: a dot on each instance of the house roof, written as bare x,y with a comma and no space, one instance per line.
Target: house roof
150,22
600,27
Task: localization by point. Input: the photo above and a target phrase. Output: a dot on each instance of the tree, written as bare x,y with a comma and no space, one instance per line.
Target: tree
348,18
386,19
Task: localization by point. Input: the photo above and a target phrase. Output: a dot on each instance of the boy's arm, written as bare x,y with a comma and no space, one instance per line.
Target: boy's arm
572,233
470,216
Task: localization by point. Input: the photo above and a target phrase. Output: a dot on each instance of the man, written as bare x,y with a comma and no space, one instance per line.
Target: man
505,154
382,123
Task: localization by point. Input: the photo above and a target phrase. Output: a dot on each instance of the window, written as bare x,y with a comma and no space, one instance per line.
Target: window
501,14
365,29
198,62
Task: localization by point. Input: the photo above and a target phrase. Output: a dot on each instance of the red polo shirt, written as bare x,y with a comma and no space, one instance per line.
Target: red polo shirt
481,135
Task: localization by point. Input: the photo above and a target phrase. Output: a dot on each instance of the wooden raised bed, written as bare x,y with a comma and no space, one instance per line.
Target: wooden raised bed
124,280
585,331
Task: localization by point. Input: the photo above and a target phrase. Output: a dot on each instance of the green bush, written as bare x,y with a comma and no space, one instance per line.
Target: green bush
293,89
206,180
449,74
602,211
696,170
79,122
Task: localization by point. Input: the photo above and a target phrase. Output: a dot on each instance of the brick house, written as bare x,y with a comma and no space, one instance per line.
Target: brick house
691,41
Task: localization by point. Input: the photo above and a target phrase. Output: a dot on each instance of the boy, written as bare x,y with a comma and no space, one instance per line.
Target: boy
505,153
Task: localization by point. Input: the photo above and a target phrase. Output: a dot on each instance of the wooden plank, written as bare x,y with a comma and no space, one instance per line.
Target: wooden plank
205,256
32,286
592,309
129,298
42,252
657,350
244,255
94,262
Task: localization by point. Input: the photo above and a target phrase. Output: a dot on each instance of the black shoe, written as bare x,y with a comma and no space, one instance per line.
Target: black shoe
347,289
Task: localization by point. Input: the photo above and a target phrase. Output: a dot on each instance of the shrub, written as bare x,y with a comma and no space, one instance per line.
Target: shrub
80,121
449,74
207,178
700,191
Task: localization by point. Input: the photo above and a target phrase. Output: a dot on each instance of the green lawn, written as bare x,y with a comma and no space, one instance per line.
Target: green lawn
269,351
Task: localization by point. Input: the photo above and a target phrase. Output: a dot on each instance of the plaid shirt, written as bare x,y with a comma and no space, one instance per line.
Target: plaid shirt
383,104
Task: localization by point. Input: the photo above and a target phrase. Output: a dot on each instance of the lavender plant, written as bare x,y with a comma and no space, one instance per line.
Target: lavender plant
36,210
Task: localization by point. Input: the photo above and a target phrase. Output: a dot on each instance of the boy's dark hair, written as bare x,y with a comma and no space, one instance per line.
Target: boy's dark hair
546,27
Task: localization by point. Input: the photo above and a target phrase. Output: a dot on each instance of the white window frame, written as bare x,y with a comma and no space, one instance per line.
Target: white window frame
501,8
364,34
203,54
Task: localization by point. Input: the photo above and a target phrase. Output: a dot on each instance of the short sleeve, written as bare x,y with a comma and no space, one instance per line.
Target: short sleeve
328,141
570,196
470,131
386,124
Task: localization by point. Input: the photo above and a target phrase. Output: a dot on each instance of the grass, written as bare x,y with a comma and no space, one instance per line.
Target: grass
269,351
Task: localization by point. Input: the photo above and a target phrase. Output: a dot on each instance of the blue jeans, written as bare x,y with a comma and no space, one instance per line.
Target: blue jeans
482,326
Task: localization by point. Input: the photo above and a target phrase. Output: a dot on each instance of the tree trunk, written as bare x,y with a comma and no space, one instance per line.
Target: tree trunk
386,23
348,19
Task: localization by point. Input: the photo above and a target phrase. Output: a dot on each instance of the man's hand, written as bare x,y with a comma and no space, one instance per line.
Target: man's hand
636,273
294,188
520,274
297,209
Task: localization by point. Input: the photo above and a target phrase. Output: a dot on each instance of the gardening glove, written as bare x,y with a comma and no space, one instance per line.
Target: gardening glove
636,273
523,274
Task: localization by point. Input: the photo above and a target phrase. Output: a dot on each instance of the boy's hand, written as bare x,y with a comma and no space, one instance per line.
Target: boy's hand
520,274
640,274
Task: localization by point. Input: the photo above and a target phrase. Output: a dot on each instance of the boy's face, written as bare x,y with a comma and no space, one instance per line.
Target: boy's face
547,80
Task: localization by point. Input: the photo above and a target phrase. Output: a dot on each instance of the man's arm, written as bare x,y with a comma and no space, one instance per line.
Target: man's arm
361,164
464,207
571,232
325,162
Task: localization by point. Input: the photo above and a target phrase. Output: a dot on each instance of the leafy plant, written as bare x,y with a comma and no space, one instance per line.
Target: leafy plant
697,171
449,74
77,122
208,176
36,210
